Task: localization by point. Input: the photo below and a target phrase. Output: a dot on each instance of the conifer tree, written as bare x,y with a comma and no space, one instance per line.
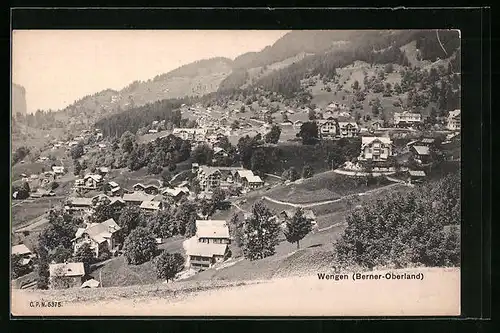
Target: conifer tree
297,227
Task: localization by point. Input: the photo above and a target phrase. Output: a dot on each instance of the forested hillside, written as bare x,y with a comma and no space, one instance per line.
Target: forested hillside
373,48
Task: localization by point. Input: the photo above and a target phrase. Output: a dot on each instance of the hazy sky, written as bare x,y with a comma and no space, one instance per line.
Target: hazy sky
59,66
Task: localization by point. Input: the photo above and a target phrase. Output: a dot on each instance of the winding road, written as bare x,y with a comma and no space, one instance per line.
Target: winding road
325,202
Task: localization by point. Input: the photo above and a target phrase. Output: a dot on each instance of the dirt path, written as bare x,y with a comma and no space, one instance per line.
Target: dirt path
325,202
437,294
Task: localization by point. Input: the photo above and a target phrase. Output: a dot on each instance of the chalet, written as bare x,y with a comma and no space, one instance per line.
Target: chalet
239,176
348,129
205,255
58,170
298,123
375,148
286,123
219,152
176,193
114,188
307,213
252,182
148,189
212,231
66,275
153,131
209,178
151,206
72,143
327,129
92,181
100,236
421,153
415,176
376,125
42,193
427,142
24,253
102,146
328,115
117,202
76,204
137,198
103,171
405,119
453,122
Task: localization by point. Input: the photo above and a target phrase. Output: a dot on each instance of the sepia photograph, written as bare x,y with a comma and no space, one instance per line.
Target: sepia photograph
235,173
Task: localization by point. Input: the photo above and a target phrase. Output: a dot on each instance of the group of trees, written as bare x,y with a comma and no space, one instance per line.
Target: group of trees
405,228
23,190
162,153
19,154
54,243
258,234
203,154
131,120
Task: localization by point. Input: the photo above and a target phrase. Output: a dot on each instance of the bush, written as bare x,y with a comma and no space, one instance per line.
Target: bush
54,185
168,265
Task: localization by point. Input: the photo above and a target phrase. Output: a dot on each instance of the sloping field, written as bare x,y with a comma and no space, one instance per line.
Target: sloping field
323,186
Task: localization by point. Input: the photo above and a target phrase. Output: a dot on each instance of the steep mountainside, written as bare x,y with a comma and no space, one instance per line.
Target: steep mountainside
195,79
18,99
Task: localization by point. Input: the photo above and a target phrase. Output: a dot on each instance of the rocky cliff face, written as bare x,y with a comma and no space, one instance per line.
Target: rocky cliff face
18,99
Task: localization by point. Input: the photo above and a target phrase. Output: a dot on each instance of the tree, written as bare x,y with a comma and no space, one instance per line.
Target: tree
61,254
186,216
103,210
355,85
23,191
77,167
311,115
166,176
309,133
218,197
140,246
235,124
85,255
259,161
16,266
128,142
397,89
43,268
168,265
273,135
307,171
161,224
236,229
77,151
297,227
260,233
129,219
20,154
389,68
60,231
202,154
376,107
290,174
242,109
